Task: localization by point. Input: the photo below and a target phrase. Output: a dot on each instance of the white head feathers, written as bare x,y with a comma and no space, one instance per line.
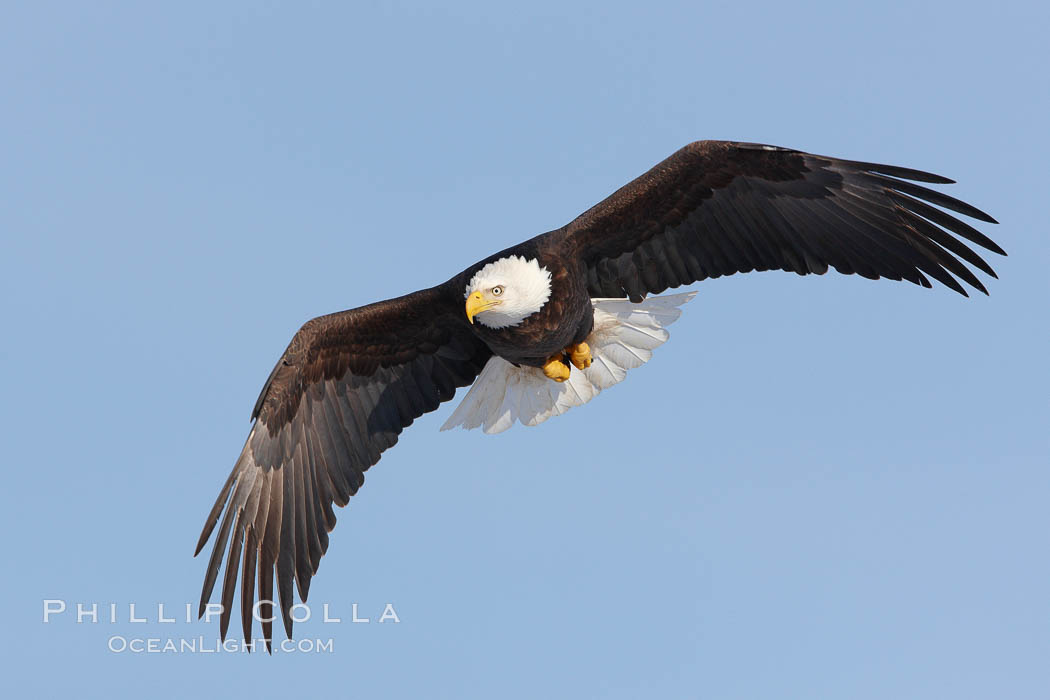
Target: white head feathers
522,286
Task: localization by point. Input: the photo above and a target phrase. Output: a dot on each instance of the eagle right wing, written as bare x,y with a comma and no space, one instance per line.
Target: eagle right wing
344,389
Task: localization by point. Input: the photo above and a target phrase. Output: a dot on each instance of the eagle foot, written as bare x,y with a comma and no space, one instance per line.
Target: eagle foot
579,355
556,369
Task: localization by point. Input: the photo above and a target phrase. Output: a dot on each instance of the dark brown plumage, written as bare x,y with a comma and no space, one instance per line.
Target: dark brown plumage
350,382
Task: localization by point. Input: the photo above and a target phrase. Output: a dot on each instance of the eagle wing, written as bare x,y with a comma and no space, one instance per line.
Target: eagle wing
717,207
344,389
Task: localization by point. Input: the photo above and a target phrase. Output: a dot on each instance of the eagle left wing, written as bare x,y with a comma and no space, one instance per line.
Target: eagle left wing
717,207
340,395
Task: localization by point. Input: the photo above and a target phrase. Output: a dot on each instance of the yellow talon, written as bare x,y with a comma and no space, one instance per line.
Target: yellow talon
556,369
580,355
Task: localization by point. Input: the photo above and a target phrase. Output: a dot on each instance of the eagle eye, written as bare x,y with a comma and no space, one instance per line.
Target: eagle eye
497,290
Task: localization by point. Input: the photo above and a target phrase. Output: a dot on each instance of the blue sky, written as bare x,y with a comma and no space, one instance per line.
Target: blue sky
820,487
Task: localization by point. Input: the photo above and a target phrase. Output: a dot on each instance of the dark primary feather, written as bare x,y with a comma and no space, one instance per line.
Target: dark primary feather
341,394
715,208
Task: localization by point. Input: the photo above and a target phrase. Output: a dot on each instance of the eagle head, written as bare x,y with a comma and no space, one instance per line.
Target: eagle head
507,291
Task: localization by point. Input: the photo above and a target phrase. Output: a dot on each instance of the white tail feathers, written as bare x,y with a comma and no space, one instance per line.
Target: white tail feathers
624,337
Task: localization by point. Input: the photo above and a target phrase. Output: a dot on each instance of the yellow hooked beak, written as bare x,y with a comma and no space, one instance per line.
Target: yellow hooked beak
476,303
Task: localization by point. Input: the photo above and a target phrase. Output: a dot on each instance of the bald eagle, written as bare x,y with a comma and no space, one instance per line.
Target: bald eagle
547,324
